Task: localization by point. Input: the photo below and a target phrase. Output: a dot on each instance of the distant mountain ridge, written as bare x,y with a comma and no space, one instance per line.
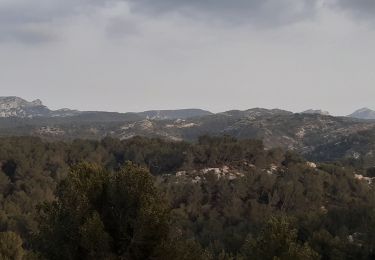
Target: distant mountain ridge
313,133
174,114
255,113
16,107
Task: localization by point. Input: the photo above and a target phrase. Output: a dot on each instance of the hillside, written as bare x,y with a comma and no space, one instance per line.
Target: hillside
313,134
217,194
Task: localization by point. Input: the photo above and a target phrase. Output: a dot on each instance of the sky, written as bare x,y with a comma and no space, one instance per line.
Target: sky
135,55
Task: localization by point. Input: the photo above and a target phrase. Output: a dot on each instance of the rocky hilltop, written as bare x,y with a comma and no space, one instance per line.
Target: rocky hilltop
18,107
364,113
15,107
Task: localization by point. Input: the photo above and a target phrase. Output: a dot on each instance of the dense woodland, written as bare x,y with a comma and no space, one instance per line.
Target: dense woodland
155,199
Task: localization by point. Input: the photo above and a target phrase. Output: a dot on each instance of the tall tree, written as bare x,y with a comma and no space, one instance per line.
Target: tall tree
103,215
278,241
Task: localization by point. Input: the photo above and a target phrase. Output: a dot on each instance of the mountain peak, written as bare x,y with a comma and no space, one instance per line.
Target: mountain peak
16,102
364,109
363,113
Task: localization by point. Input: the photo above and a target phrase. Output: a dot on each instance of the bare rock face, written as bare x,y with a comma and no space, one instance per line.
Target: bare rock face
15,102
37,102
20,108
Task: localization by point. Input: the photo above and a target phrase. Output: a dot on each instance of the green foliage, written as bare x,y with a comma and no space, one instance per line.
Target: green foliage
93,238
278,240
183,250
102,215
107,208
10,246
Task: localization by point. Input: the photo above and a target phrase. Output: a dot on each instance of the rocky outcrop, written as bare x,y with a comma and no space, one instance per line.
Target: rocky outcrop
18,107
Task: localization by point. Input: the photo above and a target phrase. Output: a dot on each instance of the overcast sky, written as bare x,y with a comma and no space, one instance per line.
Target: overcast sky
134,55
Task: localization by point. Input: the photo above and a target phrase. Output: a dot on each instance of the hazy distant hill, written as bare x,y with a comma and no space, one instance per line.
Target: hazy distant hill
15,107
363,113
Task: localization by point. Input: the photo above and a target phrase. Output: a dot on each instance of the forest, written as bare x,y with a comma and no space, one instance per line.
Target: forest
216,198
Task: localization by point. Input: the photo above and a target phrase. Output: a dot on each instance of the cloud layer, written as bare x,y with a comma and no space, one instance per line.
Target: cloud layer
256,12
40,20
360,9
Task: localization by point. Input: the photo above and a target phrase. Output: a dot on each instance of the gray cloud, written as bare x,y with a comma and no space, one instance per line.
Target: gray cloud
255,12
27,34
33,21
20,19
36,21
362,9
120,27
